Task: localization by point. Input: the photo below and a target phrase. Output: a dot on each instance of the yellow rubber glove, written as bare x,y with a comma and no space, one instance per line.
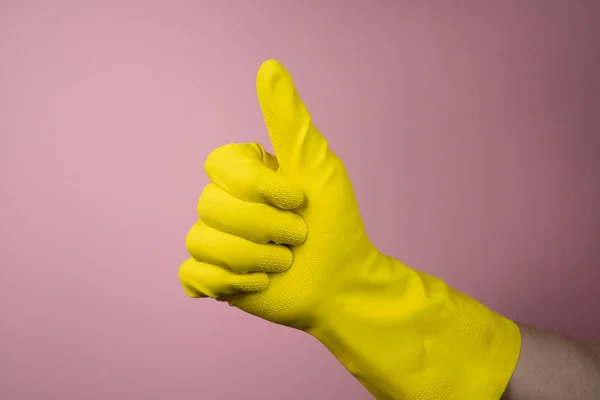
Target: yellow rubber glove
403,334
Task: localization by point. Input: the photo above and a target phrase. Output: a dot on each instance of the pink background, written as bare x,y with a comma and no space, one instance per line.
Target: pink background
470,130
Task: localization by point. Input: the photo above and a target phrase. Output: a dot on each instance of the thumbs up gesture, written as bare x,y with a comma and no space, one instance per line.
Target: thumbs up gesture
280,236
276,232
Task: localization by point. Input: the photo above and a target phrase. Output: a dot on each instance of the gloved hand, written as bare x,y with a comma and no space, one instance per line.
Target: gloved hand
282,238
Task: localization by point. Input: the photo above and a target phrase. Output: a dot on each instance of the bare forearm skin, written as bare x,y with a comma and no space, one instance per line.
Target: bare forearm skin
554,367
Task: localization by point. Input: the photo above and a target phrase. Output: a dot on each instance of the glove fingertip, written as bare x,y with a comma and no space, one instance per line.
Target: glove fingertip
282,195
253,282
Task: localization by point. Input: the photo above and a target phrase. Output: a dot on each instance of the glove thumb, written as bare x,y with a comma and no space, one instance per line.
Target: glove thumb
298,145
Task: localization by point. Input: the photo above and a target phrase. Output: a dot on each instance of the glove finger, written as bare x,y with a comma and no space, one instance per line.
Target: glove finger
247,172
205,280
240,255
258,222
